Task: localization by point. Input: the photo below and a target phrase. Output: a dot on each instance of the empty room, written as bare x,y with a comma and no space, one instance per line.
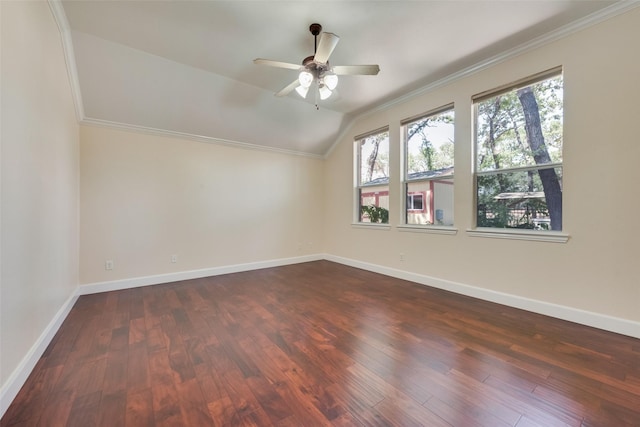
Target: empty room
337,213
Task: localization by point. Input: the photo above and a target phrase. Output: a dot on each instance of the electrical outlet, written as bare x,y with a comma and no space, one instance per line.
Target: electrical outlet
108,264
174,258
401,256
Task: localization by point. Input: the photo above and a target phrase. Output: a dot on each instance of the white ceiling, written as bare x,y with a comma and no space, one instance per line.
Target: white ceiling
186,66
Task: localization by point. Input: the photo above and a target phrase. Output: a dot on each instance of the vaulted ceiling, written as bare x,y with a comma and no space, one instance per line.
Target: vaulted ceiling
186,67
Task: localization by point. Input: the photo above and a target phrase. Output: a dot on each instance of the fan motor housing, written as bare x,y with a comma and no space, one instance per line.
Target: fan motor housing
314,68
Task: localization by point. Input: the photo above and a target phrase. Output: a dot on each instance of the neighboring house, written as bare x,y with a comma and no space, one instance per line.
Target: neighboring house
429,198
376,193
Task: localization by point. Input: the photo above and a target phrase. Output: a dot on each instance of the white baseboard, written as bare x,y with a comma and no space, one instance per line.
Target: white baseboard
115,285
19,376
596,320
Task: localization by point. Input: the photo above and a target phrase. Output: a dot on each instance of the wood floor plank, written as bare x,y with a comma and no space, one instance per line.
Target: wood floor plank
269,399
115,376
222,411
56,411
139,412
285,381
247,409
166,403
323,344
85,410
113,409
137,367
192,404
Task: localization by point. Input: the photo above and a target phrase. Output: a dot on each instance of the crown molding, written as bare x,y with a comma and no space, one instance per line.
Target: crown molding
69,56
192,137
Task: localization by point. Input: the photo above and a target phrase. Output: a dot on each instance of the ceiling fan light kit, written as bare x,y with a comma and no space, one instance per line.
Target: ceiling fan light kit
302,91
316,68
305,78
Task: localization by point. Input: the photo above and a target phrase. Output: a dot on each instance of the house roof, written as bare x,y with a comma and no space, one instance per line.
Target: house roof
444,173
185,67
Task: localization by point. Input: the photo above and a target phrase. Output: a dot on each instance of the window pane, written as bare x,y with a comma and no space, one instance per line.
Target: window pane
519,200
521,128
429,145
415,201
373,155
429,167
373,178
518,132
374,204
437,202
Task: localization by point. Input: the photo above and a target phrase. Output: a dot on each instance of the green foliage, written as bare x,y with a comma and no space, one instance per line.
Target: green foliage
524,215
430,143
526,211
375,213
501,127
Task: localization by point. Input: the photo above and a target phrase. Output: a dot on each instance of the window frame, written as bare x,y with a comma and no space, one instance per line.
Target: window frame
423,197
559,236
361,190
406,181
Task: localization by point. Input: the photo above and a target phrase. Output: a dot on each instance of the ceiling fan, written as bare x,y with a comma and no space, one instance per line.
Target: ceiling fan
315,69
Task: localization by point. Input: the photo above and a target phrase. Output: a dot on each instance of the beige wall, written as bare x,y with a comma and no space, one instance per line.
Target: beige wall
596,270
39,181
144,198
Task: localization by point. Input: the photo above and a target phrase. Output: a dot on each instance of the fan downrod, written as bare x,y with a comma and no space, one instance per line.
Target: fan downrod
315,29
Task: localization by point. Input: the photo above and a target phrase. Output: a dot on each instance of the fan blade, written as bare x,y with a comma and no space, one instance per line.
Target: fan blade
346,70
328,42
289,88
277,64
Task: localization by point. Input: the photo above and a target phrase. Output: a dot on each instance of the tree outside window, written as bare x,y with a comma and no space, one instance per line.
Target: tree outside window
519,155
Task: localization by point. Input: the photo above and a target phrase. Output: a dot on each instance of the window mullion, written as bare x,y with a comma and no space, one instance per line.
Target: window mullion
520,169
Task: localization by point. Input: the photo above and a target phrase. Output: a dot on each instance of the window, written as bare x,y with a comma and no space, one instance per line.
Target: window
415,202
519,154
428,160
372,153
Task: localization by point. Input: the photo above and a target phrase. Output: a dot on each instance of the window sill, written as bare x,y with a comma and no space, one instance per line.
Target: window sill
512,234
371,225
433,229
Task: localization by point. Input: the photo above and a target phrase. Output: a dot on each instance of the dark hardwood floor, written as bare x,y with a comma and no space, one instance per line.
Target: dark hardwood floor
323,344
